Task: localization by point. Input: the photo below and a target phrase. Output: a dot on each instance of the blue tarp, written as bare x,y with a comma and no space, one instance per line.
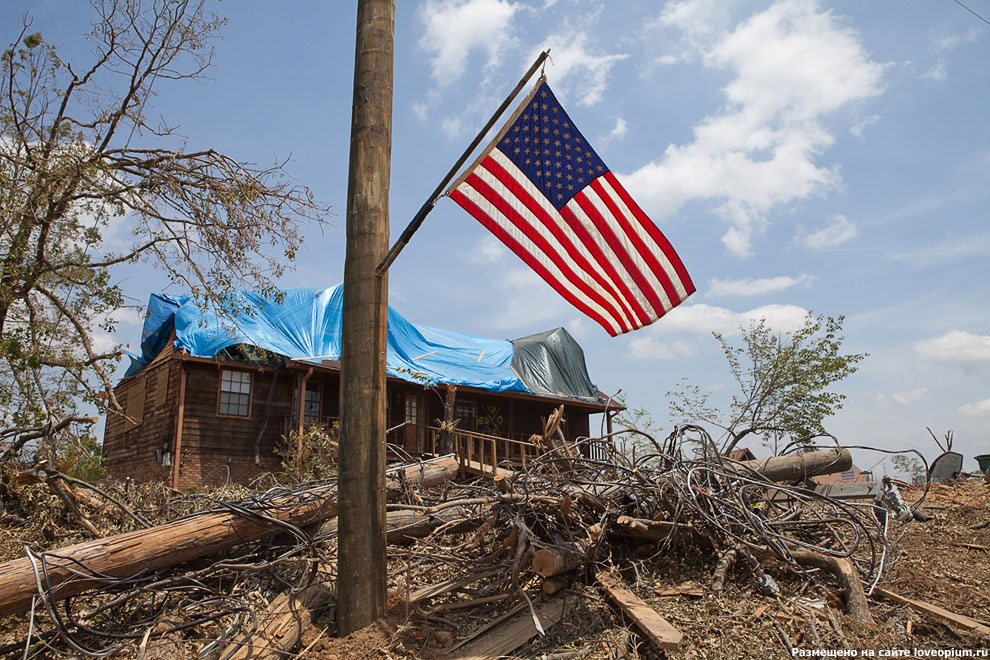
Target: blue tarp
305,325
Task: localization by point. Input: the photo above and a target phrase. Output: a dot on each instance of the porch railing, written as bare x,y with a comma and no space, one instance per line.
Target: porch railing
487,450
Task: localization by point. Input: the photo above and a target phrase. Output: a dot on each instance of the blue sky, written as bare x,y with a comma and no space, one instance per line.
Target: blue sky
832,157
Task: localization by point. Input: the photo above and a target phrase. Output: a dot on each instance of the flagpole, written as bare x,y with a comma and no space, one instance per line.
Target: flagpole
428,206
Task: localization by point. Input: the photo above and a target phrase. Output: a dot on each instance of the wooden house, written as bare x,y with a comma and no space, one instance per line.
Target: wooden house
211,397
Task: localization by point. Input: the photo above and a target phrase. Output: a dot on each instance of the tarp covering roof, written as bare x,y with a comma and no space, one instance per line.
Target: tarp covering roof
552,362
305,325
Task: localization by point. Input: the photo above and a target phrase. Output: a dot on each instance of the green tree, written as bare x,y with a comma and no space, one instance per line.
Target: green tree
89,184
910,467
784,383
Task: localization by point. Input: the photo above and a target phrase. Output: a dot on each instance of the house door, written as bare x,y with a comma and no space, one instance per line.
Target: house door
411,429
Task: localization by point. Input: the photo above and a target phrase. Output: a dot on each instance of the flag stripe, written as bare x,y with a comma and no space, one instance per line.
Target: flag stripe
654,272
508,199
650,286
683,280
507,172
487,214
584,211
606,260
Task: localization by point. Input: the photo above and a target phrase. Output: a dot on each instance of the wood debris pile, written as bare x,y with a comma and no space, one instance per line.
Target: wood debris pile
681,543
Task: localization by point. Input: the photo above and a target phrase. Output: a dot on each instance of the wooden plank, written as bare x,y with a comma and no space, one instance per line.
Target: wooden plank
940,613
656,628
505,639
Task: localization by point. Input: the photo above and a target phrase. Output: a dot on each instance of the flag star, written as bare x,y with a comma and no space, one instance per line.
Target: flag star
528,161
600,168
569,178
516,150
569,167
555,109
559,175
579,159
587,154
544,106
570,187
543,93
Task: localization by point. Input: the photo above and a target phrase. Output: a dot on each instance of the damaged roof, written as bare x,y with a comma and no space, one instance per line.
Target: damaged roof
304,324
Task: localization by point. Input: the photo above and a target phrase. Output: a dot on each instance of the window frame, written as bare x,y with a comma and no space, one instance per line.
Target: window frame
460,405
311,388
250,393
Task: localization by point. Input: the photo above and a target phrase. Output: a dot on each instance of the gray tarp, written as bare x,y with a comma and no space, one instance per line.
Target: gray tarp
552,363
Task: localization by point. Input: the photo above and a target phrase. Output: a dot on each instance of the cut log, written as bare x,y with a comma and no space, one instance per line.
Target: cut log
656,628
505,639
658,530
800,466
940,613
280,626
565,557
151,549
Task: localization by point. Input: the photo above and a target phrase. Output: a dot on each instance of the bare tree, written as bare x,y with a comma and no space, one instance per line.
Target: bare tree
88,184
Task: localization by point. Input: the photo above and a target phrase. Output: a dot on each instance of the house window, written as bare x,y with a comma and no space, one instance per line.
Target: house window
467,413
412,409
235,393
311,412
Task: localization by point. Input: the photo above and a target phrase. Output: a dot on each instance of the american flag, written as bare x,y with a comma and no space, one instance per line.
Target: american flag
545,193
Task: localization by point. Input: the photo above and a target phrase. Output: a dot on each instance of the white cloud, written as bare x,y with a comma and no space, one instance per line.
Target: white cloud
525,303
659,348
488,250
579,70
618,132
837,233
950,41
705,319
978,409
757,286
452,127
859,128
938,72
913,396
970,246
957,347
455,28
792,65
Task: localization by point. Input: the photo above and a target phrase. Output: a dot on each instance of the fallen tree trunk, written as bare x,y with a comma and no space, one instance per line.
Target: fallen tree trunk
406,526
145,550
795,467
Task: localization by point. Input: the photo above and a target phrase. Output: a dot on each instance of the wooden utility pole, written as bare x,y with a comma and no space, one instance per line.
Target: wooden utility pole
361,502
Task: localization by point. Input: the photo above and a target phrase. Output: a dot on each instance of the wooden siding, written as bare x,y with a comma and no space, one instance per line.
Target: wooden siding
213,445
